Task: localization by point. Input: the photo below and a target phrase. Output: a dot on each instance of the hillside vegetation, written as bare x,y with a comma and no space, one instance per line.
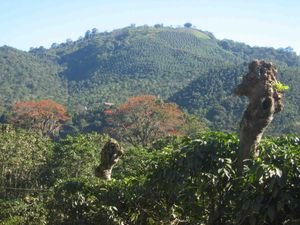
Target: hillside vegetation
187,66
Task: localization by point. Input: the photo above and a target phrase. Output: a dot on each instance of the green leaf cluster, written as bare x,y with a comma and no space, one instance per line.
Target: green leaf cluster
280,87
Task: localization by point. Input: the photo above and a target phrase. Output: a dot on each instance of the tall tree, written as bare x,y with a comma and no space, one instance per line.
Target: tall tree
46,116
144,118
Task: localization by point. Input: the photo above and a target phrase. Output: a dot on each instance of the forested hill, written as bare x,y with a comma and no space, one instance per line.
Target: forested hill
185,65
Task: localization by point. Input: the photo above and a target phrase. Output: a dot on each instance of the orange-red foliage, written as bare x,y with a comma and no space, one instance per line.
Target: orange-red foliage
45,115
144,118
108,112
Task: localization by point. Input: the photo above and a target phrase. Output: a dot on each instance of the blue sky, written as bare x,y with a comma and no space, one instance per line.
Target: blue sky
34,23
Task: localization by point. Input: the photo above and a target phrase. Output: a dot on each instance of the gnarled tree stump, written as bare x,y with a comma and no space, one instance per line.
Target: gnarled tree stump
264,101
110,155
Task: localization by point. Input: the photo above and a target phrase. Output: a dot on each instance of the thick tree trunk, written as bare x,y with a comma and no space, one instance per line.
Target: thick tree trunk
264,101
110,155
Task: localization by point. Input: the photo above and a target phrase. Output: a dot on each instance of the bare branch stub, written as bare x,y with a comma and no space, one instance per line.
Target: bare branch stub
264,101
110,155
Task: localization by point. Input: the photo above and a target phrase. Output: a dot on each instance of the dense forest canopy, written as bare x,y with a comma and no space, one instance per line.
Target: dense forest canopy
183,65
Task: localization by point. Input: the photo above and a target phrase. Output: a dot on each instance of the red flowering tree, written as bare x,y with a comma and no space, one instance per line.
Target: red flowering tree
47,116
142,119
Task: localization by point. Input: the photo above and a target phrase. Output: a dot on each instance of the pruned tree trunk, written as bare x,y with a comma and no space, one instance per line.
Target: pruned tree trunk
110,155
264,100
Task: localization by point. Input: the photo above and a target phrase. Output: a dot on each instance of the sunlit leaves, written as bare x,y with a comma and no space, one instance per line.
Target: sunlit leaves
23,159
45,116
77,156
142,119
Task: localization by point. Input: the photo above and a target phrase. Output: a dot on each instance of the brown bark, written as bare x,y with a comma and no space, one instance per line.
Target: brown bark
110,155
264,100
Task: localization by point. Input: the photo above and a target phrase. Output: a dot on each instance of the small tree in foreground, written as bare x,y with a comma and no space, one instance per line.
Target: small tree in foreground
46,116
142,119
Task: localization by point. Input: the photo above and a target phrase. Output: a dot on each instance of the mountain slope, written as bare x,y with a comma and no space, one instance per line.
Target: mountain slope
24,76
185,65
138,61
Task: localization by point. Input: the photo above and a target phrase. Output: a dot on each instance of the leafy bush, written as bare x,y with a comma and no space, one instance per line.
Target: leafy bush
193,184
27,211
76,156
23,160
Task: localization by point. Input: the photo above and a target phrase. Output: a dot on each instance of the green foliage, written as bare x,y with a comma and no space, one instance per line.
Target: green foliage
249,53
76,156
280,87
27,211
210,96
23,159
25,76
76,202
195,183
177,180
269,194
133,164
